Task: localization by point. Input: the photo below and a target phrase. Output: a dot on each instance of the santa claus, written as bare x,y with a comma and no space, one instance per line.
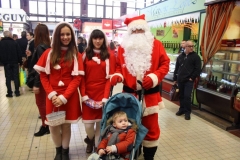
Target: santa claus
142,57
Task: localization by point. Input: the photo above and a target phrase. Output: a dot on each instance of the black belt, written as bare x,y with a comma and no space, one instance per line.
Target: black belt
149,91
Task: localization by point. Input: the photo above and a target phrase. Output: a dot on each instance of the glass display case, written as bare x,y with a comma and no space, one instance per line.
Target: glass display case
219,83
173,58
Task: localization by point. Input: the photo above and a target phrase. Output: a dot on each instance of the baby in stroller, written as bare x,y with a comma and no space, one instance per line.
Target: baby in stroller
118,137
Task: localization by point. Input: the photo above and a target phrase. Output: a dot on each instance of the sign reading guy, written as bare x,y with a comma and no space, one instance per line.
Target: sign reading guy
13,15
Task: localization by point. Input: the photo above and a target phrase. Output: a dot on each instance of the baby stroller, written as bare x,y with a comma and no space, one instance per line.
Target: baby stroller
131,106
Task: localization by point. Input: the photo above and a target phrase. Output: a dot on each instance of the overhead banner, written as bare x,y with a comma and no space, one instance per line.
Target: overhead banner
171,8
13,15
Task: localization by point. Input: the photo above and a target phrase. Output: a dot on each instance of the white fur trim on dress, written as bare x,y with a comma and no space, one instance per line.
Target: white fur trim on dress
104,100
84,56
96,59
63,99
84,98
161,105
51,94
151,110
117,74
60,83
150,143
75,66
67,121
39,68
107,68
154,79
57,67
114,148
81,73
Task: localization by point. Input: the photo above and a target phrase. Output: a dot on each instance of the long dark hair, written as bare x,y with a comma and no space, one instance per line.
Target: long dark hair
104,54
56,46
41,33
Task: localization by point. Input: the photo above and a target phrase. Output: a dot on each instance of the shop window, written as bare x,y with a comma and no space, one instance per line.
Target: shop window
100,11
91,2
140,4
59,19
6,4
130,10
68,9
42,8
91,10
51,8
116,12
132,4
59,0
108,12
109,3
68,20
116,3
101,2
33,7
51,19
42,19
14,4
76,9
76,1
59,9
68,0
33,18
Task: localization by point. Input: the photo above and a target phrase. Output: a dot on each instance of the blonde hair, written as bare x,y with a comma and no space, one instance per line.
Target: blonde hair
117,114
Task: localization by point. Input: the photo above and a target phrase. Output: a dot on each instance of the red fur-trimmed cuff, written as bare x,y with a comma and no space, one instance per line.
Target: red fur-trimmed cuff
84,98
63,99
51,94
104,100
39,68
154,79
117,74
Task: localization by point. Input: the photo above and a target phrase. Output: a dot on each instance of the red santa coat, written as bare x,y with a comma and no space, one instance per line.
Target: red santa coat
125,139
151,102
62,80
96,84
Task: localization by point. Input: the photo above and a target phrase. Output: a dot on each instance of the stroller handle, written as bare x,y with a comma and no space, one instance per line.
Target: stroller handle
140,96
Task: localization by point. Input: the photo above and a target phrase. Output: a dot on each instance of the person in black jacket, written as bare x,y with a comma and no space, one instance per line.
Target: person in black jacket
187,69
41,43
10,56
80,44
23,43
29,49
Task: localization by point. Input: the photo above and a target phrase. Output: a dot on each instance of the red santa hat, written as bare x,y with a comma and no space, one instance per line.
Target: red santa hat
137,22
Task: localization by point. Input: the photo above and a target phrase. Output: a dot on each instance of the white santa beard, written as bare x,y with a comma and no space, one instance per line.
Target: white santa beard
138,50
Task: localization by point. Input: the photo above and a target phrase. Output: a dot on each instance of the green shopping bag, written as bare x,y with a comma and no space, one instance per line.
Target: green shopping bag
22,77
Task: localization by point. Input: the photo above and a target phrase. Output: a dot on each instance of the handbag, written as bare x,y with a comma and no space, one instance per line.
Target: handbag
56,118
174,93
31,78
22,77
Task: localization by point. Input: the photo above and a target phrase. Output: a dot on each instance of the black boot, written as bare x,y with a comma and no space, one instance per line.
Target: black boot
149,152
65,154
58,153
43,130
90,144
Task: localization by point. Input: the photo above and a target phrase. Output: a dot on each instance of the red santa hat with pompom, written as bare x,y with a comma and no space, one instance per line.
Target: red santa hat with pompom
137,22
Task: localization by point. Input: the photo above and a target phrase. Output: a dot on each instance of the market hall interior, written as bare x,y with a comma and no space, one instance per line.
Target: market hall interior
180,139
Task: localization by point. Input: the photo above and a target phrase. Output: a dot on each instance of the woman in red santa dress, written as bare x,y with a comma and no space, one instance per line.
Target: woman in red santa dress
99,64
61,70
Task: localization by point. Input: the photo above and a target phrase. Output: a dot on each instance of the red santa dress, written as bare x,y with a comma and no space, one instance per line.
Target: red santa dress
153,102
96,84
62,80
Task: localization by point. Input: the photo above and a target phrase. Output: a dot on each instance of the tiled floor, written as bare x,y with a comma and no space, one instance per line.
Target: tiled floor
180,139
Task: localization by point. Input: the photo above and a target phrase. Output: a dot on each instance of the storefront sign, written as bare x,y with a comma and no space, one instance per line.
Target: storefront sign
13,15
172,8
107,24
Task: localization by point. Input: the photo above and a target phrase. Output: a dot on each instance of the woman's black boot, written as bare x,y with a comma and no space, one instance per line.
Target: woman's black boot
65,154
90,144
149,152
58,153
43,130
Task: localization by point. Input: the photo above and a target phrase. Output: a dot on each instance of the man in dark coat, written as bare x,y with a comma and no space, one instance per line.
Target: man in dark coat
10,56
187,69
23,43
